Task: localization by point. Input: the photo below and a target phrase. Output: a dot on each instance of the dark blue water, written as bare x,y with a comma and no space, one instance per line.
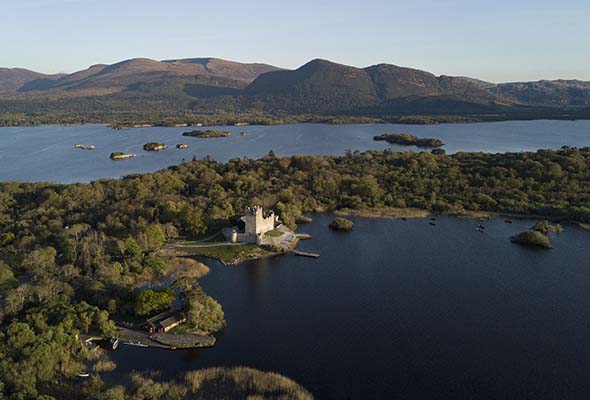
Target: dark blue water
47,153
406,310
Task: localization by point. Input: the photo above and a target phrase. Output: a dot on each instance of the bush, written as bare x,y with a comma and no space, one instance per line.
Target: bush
543,227
341,224
533,239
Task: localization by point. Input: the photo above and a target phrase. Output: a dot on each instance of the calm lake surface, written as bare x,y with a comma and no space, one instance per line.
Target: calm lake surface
47,153
402,309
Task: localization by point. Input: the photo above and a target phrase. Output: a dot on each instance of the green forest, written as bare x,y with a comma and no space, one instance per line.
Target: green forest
71,256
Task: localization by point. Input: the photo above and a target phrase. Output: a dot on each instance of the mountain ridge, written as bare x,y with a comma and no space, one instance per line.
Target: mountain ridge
320,86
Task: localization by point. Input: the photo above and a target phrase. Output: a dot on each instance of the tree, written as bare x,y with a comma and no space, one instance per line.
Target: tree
41,263
192,219
203,312
7,279
154,237
115,393
149,301
132,249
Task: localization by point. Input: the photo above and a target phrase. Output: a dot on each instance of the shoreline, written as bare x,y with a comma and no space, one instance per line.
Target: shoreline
385,213
297,120
417,213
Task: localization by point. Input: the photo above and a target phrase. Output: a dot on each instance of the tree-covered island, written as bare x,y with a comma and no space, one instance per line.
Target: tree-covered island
405,139
154,146
206,133
341,224
118,155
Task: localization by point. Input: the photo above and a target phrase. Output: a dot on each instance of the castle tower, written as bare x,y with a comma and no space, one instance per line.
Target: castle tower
256,222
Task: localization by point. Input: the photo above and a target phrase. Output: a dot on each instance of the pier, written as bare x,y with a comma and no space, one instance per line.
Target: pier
304,254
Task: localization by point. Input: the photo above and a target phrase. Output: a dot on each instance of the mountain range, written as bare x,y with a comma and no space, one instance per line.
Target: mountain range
319,87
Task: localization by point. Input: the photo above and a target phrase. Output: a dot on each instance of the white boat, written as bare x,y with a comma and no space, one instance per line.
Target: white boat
114,342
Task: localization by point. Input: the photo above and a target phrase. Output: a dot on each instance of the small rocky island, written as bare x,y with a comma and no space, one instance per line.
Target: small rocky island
206,133
82,147
405,139
117,155
154,146
341,224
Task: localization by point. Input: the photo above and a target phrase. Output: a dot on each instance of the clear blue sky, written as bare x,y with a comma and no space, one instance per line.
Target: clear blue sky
501,40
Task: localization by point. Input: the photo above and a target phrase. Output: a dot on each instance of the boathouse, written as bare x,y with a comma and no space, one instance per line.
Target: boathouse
164,322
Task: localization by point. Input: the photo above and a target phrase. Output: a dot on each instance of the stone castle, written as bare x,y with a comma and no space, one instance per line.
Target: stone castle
256,224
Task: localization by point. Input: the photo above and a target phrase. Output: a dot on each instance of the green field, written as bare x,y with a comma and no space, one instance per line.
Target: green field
228,254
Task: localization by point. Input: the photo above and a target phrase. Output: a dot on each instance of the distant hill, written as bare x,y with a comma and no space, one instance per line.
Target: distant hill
559,93
320,87
11,79
99,80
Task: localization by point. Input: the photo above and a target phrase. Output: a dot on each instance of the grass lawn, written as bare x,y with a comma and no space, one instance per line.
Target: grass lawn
226,253
274,233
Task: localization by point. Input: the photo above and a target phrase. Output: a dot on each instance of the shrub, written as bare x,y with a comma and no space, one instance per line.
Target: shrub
533,239
341,224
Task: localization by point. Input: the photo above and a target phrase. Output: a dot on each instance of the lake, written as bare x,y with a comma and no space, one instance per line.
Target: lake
47,153
402,309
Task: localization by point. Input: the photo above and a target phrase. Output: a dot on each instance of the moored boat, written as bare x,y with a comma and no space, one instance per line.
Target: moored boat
114,343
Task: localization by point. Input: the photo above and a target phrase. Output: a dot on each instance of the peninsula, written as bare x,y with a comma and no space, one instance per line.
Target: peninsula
256,234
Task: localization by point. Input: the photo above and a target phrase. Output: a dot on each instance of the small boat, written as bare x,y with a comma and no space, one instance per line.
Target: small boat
78,146
90,147
432,223
182,146
433,219
404,219
243,133
114,342
481,227
83,375
508,221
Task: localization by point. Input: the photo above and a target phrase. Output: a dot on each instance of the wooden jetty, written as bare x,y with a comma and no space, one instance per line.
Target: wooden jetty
304,254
